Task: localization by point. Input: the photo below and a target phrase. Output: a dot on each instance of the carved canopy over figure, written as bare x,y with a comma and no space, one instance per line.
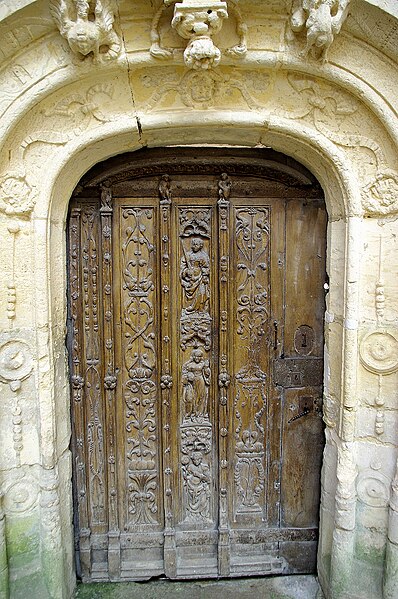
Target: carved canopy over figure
322,19
87,25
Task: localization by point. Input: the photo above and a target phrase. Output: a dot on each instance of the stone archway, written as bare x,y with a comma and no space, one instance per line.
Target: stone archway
145,404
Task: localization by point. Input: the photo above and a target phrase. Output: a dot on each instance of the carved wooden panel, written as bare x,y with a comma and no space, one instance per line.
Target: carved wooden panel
195,337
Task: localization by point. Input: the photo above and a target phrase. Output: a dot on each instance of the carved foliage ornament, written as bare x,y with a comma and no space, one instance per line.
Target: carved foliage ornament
87,25
321,20
17,196
380,196
198,21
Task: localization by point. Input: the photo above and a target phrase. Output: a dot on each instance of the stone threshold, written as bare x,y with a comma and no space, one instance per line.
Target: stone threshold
276,587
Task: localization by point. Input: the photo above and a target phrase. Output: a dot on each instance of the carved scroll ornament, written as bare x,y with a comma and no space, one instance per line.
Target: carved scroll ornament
87,25
321,20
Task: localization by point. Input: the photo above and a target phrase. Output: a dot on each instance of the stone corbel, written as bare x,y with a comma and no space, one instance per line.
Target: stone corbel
321,20
198,21
87,25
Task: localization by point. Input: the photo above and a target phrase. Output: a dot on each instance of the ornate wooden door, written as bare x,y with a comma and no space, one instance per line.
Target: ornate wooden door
195,328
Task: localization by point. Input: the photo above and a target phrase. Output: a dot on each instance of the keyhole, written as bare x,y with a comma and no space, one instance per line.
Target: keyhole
304,340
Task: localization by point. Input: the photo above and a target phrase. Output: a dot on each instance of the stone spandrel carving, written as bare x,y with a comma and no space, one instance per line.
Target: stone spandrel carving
205,89
321,20
87,25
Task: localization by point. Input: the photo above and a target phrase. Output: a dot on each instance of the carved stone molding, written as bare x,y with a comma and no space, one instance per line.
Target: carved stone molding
321,20
87,25
16,362
205,89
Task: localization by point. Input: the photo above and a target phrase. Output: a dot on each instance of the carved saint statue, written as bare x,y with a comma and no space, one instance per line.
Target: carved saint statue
164,190
87,25
196,380
194,274
224,188
197,480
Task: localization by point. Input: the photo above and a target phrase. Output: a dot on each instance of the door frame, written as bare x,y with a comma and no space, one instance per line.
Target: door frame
265,163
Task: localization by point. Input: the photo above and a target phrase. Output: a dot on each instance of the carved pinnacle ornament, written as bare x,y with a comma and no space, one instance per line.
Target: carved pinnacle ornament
322,21
87,25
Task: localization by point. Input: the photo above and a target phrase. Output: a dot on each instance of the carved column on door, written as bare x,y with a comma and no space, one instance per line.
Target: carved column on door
77,384
110,378
224,190
166,381
196,412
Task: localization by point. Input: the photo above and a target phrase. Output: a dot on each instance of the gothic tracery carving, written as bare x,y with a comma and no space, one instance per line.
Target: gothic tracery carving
252,242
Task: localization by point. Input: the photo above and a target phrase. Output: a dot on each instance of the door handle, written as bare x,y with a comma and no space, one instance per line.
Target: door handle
305,412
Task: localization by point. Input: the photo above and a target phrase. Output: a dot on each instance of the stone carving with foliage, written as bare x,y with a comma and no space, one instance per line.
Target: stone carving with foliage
205,89
87,25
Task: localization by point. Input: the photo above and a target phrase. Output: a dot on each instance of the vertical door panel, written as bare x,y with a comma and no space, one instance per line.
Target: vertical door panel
87,380
253,437
302,439
195,349
138,410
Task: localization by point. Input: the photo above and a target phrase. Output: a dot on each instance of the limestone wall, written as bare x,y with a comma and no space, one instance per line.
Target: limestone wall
61,113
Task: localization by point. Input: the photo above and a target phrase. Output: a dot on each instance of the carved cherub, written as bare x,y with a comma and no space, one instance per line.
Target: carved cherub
87,25
322,19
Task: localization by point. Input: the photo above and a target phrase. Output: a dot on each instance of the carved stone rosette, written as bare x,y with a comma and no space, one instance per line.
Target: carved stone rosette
379,355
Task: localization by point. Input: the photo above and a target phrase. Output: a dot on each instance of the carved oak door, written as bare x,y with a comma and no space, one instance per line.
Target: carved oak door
195,342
